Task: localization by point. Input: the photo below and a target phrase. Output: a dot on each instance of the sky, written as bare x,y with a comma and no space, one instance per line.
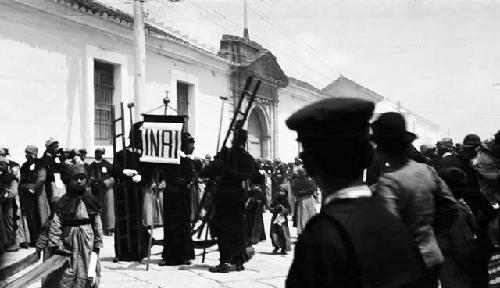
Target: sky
440,59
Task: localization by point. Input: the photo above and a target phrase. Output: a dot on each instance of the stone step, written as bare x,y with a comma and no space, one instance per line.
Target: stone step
13,262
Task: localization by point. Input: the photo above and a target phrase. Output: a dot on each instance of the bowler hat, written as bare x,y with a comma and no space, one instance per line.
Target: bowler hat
338,119
390,127
471,141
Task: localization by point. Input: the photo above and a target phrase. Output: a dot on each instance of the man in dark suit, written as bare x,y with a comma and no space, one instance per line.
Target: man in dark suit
102,182
354,241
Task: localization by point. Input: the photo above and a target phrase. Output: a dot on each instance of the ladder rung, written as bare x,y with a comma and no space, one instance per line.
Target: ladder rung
118,119
119,135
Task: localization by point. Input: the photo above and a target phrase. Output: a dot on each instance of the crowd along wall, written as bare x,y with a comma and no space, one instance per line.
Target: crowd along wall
48,52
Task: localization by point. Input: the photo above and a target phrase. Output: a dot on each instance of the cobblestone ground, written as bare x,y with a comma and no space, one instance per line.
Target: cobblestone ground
263,270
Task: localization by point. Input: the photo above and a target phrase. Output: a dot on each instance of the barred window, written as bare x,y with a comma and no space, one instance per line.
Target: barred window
103,91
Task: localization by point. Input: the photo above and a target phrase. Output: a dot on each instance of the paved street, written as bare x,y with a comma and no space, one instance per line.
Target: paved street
263,270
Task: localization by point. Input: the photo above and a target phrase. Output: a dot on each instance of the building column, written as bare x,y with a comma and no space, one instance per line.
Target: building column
266,147
275,140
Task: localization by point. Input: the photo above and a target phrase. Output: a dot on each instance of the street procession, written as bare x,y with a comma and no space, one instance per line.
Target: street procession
184,143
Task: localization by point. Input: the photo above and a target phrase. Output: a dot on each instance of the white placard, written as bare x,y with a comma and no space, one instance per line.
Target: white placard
161,142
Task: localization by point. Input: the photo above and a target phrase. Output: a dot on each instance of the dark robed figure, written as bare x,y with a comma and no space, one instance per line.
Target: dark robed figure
132,176
235,167
178,246
355,241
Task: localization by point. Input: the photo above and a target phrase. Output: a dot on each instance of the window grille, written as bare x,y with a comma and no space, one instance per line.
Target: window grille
103,91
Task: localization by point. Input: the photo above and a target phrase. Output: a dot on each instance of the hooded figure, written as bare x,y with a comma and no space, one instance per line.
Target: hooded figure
236,168
178,247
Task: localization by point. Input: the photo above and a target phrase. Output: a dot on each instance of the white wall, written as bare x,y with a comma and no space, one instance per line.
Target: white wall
291,99
46,78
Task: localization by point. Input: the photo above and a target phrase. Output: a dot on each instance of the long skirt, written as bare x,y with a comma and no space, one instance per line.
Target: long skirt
177,242
306,209
229,225
280,235
106,200
73,274
255,224
43,205
22,232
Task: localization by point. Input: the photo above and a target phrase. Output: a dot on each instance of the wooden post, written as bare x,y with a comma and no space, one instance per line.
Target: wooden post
139,56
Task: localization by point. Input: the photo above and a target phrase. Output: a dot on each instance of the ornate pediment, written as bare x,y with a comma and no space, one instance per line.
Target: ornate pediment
266,66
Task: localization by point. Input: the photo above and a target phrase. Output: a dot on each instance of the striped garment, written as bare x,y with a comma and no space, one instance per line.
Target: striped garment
494,270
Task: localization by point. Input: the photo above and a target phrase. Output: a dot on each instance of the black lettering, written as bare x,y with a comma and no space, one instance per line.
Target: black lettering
146,142
163,144
176,150
154,144
170,144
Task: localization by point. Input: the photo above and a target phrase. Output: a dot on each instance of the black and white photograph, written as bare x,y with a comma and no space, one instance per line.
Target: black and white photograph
249,143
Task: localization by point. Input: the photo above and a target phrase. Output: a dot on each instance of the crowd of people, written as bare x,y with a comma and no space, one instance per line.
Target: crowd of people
391,215
394,216
62,203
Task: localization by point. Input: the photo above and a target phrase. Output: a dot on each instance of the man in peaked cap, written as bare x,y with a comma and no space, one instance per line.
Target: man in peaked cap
408,190
355,241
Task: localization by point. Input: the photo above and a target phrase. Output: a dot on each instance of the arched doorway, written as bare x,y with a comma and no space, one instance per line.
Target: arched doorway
258,136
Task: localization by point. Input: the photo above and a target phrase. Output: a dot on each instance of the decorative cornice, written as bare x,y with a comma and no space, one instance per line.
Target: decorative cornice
101,10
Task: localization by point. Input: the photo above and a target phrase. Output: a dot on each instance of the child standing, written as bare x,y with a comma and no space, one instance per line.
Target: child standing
280,234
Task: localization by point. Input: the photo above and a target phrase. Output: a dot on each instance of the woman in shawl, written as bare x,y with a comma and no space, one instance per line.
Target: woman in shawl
304,189
254,207
76,232
280,234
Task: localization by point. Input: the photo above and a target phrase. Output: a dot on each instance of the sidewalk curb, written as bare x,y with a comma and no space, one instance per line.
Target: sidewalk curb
16,267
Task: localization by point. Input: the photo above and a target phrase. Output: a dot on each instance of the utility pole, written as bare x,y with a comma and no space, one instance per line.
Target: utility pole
139,56
245,20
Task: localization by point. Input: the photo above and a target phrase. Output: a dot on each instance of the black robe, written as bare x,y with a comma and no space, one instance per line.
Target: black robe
255,223
367,245
131,246
229,224
177,244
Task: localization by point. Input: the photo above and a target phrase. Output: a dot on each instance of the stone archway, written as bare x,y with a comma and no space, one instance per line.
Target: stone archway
259,140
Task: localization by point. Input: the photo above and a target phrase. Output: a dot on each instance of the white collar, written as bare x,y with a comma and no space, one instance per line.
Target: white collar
349,193
447,154
184,155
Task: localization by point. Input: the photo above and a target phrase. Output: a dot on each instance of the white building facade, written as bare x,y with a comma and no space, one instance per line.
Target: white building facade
64,64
